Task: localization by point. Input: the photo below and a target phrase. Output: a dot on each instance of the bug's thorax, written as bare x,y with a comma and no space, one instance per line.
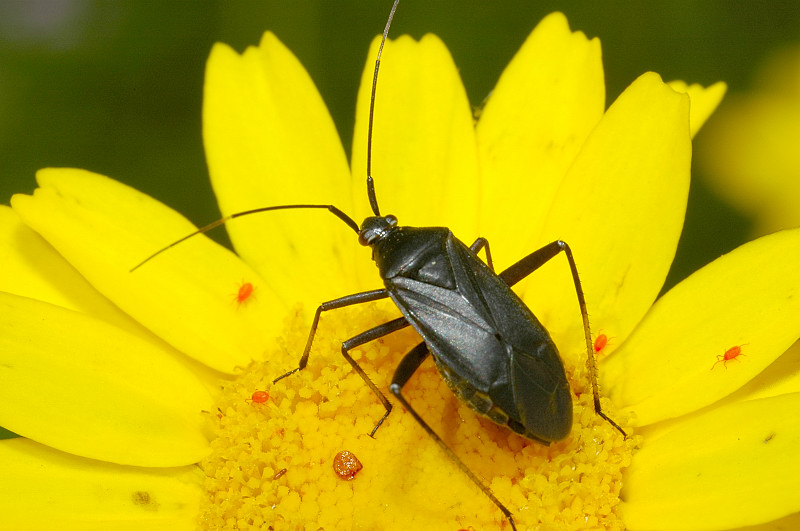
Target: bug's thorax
417,253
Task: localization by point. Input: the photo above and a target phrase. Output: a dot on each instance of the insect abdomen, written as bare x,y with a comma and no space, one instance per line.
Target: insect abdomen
488,346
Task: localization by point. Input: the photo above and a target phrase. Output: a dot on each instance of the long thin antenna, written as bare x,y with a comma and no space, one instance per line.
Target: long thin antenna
373,202
335,211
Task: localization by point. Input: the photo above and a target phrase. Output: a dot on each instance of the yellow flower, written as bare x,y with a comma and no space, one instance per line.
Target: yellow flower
111,371
750,153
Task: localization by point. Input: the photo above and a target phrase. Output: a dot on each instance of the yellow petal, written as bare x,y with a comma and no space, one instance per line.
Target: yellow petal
704,101
781,524
733,466
621,209
270,140
32,268
749,298
88,388
549,98
43,489
424,158
187,296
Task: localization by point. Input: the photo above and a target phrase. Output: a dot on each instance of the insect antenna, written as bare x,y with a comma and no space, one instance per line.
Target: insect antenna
373,201
332,209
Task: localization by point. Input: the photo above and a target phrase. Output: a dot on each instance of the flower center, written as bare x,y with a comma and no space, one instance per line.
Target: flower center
274,460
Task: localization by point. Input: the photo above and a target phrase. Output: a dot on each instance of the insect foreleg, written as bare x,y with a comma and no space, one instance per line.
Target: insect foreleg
349,300
405,370
483,243
534,261
365,337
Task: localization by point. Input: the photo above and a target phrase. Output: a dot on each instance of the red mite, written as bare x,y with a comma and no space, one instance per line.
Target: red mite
600,342
245,291
346,465
260,397
730,354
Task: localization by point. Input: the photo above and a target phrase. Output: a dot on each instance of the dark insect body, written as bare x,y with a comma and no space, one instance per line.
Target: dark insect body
488,346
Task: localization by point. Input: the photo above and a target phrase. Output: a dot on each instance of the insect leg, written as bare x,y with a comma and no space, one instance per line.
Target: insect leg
365,337
349,300
409,364
531,263
483,243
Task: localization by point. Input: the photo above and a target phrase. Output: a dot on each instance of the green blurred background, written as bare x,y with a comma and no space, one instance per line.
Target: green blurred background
116,87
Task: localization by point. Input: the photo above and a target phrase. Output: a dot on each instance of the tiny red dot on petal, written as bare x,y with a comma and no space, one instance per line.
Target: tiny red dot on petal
260,397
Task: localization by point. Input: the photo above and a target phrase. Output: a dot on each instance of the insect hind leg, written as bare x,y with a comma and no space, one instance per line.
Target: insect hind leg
408,366
534,261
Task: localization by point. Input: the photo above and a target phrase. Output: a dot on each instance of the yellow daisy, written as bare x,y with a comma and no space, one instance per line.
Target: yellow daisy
117,376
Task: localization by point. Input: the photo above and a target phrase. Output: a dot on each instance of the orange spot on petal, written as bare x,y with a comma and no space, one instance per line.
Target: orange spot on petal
245,293
260,397
600,342
730,354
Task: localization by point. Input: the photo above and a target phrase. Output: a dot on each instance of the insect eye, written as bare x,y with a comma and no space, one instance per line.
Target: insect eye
366,236
369,236
375,228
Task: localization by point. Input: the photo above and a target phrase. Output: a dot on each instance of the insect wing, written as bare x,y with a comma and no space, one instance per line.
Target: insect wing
488,339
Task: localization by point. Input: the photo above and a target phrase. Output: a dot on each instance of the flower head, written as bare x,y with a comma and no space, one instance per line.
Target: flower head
544,161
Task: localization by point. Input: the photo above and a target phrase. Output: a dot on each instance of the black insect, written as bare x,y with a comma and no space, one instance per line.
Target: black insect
488,346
